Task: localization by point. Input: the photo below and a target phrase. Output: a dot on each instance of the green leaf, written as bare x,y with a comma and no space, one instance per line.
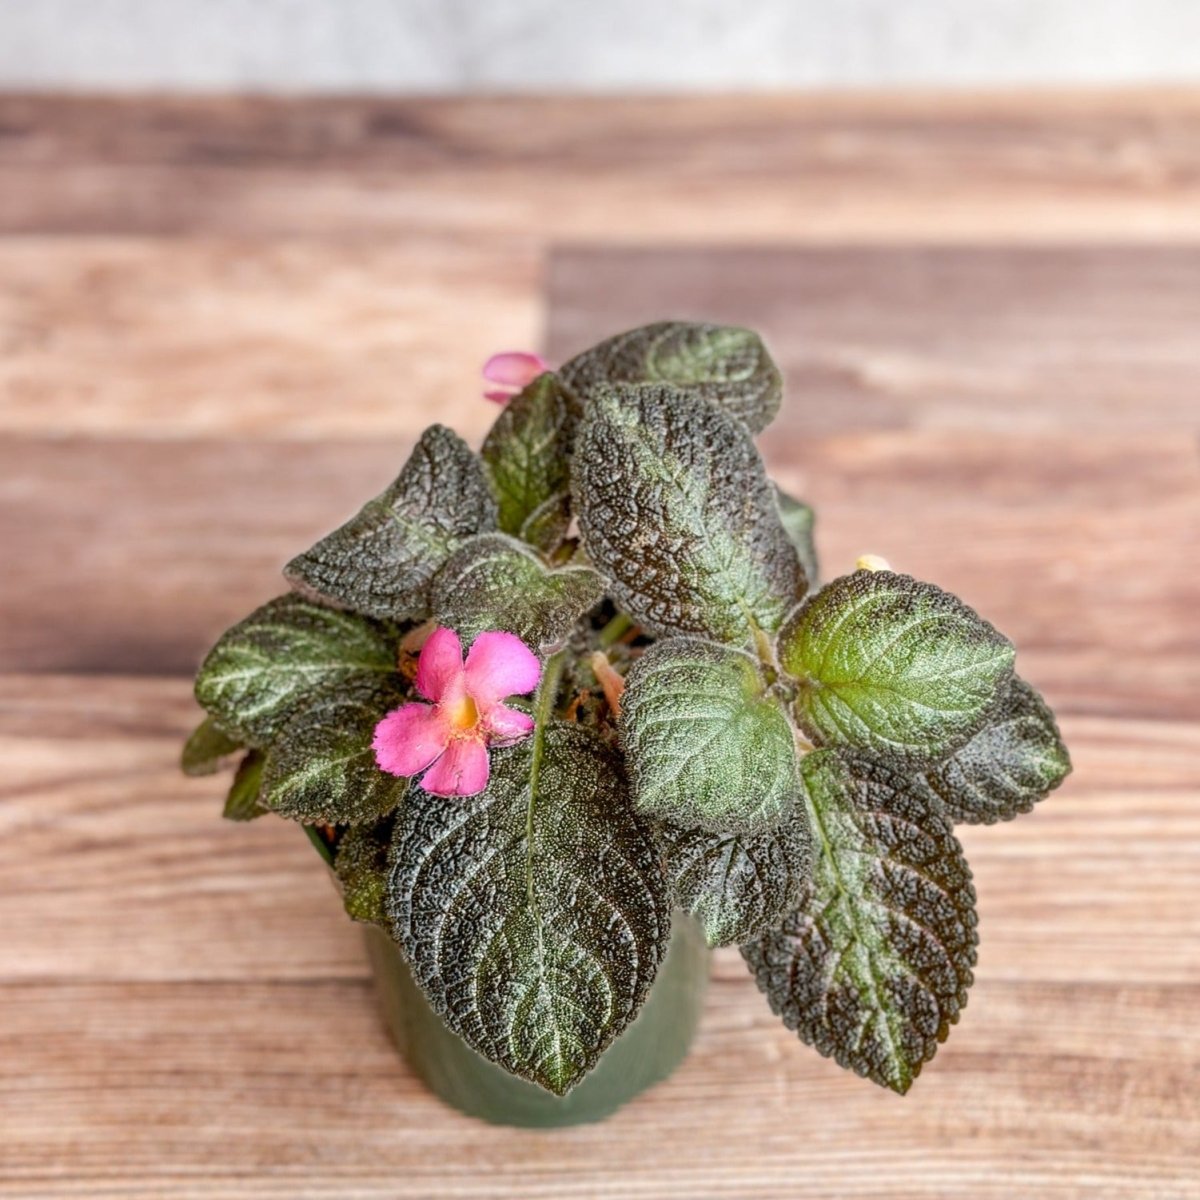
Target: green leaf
737,885
242,803
676,509
321,768
798,520
1015,760
267,666
527,457
873,966
721,364
361,867
381,561
534,915
887,664
496,582
706,744
207,748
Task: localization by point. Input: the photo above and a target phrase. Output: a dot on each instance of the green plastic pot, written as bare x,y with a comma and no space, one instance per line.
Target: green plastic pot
654,1044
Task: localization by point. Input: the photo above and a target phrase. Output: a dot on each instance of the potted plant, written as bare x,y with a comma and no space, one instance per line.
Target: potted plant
563,714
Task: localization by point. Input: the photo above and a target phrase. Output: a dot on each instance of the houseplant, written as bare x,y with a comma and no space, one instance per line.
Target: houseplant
532,702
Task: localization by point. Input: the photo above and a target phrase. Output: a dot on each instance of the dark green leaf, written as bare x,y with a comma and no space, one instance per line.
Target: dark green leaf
738,885
706,745
798,520
242,803
676,509
207,748
321,768
1015,760
496,582
888,664
724,365
873,966
527,456
534,915
381,561
362,870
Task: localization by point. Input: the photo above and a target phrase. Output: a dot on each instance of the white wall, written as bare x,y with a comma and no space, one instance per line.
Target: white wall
449,45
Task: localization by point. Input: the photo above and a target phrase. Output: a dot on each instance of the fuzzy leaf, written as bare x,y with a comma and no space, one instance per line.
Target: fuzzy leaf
361,867
798,520
676,509
721,364
269,665
534,915
496,582
1015,760
381,561
527,457
242,803
737,885
207,748
706,745
321,768
873,966
894,666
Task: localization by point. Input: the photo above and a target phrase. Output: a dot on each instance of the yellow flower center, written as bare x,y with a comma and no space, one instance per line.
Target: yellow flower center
463,715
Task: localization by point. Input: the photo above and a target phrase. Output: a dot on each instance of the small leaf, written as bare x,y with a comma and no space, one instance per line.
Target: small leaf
496,582
737,885
1015,760
798,520
527,457
321,768
207,748
721,364
381,561
533,915
888,664
242,803
706,745
676,509
873,966
267,666
361,867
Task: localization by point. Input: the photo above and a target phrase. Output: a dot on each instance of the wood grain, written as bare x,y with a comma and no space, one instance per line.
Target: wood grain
222,324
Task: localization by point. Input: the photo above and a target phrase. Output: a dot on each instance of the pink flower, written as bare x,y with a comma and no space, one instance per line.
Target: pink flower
512,371
450,736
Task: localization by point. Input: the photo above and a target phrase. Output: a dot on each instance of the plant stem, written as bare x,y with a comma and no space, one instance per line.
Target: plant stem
547,693
613,631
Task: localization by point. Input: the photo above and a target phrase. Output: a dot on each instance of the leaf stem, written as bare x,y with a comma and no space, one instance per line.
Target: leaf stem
615,630
548,689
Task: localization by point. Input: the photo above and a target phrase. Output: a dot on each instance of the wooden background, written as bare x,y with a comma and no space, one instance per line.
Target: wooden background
222,325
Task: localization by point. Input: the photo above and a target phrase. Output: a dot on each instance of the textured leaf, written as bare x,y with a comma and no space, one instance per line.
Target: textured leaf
527,456
534,915
676,509
888,664
721,364
242,803
1015,760
737,885
267,666
496,582
873,966
321,768
381,561
705,744
207,748
798,520
362,869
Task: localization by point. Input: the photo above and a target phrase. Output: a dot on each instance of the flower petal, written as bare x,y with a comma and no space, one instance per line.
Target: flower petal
507,725
462,771
498,665
500,397
408,739
440,664
514,368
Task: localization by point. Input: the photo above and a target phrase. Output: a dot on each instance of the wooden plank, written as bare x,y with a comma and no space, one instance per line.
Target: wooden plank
188,1013
758,169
